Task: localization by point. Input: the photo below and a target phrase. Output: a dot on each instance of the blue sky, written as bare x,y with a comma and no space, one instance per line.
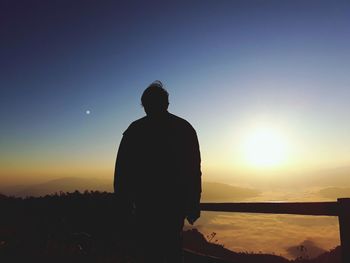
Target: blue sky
228,65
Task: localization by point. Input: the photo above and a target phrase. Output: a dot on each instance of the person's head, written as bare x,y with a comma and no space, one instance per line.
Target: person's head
155,99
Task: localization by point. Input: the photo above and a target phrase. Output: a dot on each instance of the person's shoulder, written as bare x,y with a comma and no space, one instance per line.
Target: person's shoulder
136,125
139,122
182,123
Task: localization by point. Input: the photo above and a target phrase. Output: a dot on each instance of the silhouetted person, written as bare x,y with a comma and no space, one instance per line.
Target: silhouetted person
158,177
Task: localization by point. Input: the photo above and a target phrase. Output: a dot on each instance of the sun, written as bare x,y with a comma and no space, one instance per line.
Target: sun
265,147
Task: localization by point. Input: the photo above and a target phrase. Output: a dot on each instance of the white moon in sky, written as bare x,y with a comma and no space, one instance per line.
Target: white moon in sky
87,112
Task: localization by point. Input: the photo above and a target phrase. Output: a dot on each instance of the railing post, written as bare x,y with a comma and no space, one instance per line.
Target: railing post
344,225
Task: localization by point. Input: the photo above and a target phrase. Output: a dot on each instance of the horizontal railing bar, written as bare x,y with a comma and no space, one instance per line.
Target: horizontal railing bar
302,208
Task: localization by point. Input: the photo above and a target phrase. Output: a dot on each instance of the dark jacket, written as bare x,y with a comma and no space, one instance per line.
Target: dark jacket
158,165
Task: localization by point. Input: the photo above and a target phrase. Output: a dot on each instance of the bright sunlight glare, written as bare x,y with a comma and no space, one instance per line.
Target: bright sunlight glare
265,147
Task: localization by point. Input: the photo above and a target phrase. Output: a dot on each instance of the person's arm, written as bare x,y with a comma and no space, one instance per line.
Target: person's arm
123,173
121,165
195,180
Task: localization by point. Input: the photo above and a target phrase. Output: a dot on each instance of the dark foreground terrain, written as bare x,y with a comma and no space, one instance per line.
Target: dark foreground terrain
86,227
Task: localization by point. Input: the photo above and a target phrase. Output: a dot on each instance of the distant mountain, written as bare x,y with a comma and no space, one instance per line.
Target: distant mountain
67,184
218,192
327,177
337,177
335,192
211,191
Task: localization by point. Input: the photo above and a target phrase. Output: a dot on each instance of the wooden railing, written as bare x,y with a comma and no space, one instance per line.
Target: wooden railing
341,209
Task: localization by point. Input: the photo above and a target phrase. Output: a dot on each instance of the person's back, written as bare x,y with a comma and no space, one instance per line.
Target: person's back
158,172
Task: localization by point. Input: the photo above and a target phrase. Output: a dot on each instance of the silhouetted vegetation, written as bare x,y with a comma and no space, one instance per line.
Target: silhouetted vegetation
90,227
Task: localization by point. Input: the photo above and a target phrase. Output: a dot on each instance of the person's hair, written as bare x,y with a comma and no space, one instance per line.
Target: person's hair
155,97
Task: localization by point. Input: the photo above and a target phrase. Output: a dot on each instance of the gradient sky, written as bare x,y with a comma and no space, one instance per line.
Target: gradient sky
230,67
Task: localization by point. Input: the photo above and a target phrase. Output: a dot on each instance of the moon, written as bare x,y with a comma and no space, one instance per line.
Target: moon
87,112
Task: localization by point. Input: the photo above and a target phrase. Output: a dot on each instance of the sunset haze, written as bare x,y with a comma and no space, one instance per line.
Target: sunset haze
266,85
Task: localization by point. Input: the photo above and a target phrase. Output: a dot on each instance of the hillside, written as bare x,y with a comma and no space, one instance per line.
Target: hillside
89,227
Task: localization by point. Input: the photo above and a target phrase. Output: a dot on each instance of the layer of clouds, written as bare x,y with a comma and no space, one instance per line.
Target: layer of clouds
271,233
278,234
